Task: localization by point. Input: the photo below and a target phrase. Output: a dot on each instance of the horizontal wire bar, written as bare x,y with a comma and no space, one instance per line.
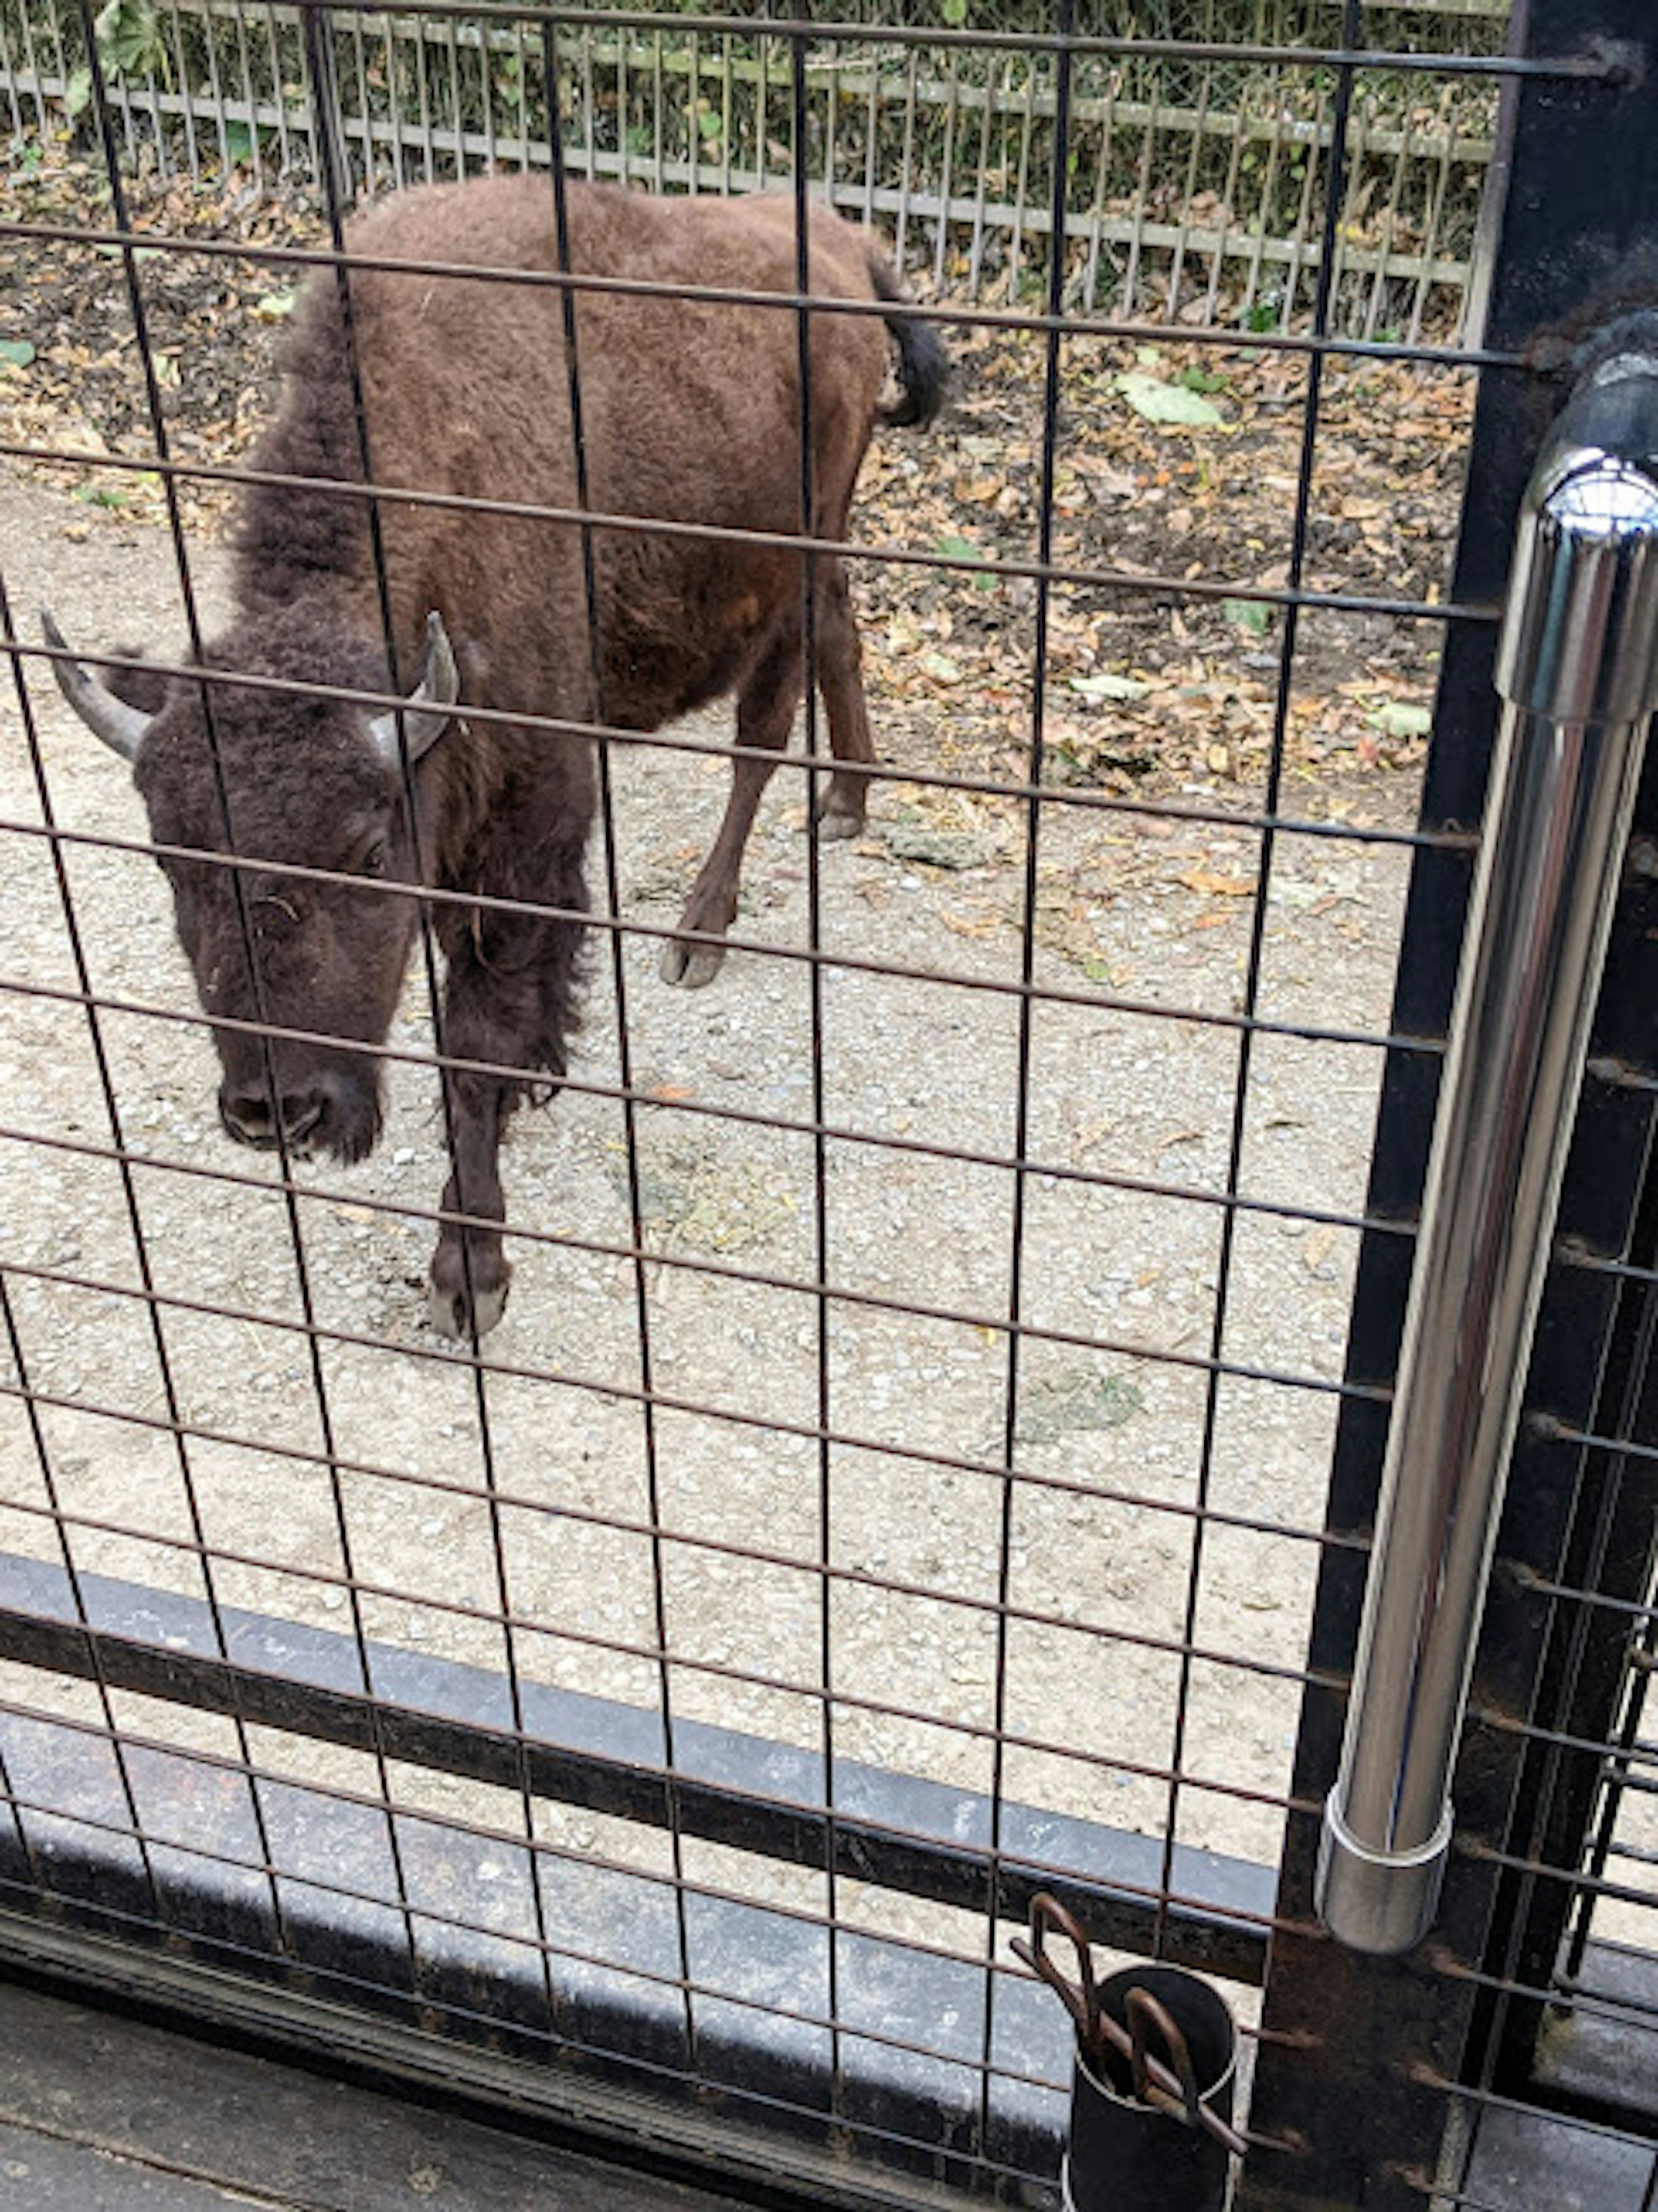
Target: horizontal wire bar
58,836
792,1127
1621,1763
666,1401
1638,1611
1581,1883
1566,1432
929,1864
1245,822
726,1271
491,2027
1564,1993
1611,1947
540,1947
693,1109
1600,1263
512,1618
1582,1990
1055,1171
1621,1072
163,1302
1634,1755
476,1829
188,1017
605,1387
1040,993
949,316
1131,583
805,31
1622,1784
723,1671
677,740
1470,2092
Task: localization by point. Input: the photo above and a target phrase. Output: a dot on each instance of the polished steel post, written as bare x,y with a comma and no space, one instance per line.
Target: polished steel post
1577,669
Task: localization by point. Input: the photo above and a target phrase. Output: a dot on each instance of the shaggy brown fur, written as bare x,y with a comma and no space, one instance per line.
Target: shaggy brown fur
689,413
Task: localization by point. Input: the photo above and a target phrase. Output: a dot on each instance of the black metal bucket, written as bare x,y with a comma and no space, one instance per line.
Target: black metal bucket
1133,2148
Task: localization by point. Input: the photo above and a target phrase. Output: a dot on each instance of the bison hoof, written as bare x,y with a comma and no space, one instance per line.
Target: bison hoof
448,1309
833,824
690,966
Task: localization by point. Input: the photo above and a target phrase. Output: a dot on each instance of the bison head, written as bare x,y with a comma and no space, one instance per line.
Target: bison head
275,782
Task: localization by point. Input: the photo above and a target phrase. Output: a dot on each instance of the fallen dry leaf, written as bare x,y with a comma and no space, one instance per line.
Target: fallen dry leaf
1214,886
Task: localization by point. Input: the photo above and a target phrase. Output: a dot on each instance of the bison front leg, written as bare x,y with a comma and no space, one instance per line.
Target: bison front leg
842,808
470,1271
765,713
510,1004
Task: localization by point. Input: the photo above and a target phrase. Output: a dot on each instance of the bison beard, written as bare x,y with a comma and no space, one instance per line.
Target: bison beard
690,414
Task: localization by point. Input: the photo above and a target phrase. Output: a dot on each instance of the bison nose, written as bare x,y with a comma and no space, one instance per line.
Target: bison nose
247,1115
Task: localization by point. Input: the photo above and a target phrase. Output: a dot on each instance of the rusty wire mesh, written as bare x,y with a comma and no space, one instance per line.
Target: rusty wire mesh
899,1477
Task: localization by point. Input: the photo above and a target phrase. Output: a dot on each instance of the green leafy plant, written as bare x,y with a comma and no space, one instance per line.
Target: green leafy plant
1157,402
130,45
129,40
1248,614
509,86
963,549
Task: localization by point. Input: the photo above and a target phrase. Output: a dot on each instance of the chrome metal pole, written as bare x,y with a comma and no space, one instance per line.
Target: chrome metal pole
1577,668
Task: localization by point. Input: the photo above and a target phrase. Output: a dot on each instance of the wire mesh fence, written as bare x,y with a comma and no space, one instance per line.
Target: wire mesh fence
896,1482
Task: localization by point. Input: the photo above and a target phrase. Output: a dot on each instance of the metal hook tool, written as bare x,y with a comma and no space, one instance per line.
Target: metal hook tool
1081,1997
1170,2088
1147,2014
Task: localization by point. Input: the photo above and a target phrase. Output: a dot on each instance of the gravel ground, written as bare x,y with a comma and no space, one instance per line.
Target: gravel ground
1105,1548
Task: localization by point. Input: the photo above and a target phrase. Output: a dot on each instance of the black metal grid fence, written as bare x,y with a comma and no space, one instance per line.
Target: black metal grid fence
899,1485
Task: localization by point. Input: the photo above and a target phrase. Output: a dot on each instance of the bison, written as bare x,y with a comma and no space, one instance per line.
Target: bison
688,411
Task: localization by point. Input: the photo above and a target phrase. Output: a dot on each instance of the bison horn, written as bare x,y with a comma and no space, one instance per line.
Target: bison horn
430,706
121,727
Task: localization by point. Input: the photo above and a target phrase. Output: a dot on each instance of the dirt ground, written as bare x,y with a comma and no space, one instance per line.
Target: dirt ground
410,1466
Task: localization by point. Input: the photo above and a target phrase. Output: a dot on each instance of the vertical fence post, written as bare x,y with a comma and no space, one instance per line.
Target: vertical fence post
1351,2103
1578,669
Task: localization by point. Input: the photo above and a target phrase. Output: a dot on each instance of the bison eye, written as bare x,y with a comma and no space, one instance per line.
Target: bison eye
372,862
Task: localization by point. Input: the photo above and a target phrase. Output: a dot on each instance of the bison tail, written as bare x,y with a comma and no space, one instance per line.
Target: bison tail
923,367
